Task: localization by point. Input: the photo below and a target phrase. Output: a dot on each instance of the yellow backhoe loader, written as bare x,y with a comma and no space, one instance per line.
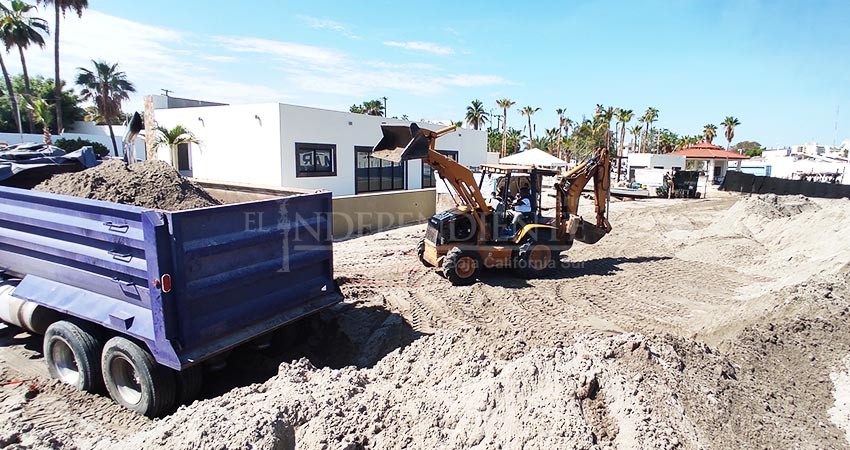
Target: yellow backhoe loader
475,234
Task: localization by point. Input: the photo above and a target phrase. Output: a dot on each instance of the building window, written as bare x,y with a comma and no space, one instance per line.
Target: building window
428,178
374,175
315,160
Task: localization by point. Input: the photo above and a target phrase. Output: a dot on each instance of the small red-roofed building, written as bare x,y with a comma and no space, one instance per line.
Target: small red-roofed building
711,158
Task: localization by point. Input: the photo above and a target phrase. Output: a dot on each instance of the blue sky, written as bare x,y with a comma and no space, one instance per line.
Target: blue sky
781,67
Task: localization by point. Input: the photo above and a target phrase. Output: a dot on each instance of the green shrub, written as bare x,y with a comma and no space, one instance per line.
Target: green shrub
72,145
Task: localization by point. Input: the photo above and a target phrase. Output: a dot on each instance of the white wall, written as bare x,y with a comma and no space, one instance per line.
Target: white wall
235,146
347,130
652,160
15,138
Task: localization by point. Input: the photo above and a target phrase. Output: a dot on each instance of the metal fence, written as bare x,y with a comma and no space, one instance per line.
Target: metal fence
744,182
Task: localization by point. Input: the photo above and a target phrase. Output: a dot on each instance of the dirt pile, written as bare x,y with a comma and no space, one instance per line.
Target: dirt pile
769,234
149,184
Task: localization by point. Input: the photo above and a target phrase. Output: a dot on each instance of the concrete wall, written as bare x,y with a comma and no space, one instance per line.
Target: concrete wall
239,143
103,138
653,161
355,214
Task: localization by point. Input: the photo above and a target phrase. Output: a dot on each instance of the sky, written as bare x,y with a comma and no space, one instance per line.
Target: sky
781,67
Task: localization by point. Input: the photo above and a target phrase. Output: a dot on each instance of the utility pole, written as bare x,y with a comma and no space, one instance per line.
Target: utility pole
385,106
166,91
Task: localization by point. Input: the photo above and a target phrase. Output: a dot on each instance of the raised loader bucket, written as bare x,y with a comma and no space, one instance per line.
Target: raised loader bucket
401,143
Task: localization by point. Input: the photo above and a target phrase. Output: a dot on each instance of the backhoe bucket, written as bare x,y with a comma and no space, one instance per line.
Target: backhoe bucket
589,233
401,143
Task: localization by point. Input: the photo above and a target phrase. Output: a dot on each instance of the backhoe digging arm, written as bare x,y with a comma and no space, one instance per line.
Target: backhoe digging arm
568,193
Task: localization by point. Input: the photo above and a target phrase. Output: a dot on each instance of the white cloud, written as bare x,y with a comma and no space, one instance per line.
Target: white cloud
286,51
428,47
200,66
327,24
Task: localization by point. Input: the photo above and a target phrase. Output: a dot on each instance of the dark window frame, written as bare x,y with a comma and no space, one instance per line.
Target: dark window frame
432,179
302,147
184,149
366,149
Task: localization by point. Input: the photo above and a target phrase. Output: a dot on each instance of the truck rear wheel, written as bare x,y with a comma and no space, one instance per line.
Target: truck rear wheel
72,353
461,267
134,379
420,252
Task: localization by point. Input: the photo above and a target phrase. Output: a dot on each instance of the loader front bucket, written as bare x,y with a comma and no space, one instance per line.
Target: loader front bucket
401,143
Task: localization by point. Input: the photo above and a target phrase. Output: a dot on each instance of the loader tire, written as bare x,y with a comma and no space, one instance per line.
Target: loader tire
461,267
535,260
134,379
72,353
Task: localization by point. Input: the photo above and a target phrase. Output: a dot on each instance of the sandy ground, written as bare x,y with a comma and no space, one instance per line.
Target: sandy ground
716,323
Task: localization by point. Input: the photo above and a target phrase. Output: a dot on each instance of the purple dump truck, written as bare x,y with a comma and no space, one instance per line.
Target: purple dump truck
134,300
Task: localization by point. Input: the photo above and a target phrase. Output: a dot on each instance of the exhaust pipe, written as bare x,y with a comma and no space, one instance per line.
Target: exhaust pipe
21,313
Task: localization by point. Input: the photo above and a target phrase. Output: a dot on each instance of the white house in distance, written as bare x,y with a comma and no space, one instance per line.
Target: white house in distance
664,161
282,145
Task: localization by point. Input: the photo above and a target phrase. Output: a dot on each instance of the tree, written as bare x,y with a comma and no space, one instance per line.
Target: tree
745,146
41,88
649,117
730,123
709,131
41,113
636,131
60,7
505,104
20,30
624,116
173,138
475,114
370,108
560,112
107,88
528,112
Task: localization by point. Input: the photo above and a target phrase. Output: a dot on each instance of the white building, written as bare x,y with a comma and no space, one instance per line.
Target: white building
284,145
667,162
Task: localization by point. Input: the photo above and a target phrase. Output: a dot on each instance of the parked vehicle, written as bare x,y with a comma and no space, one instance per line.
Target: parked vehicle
136,300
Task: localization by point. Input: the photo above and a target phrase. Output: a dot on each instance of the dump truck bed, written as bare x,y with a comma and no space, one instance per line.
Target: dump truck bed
189,284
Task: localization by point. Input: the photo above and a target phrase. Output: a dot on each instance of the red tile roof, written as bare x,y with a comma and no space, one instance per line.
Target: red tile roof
704,150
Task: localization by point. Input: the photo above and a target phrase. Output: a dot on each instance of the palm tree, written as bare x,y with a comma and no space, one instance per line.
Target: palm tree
650,116
505,103
173,138
60,7
41,113
560,112
18,29
475,114
107,88
710,132
636,131
553,137
528,112
624,116
12,99
730,123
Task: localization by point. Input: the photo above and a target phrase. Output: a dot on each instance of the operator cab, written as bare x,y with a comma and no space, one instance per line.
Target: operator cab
506,181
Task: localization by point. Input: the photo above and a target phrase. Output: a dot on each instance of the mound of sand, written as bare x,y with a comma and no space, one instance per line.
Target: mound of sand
149,184
769,235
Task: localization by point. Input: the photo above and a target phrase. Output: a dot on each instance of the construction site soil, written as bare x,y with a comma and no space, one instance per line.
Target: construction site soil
704,324
150,184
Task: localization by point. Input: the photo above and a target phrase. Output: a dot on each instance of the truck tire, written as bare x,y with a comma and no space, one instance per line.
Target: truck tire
534,259
420,252
72,353
134,379
461,267
189,383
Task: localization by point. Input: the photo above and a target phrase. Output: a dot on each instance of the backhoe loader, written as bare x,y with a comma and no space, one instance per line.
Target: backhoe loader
474,235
